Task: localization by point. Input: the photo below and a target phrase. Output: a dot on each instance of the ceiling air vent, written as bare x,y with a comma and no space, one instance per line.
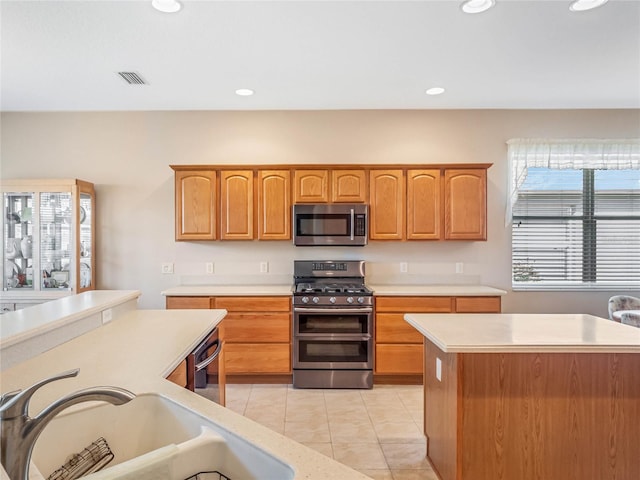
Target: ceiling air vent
132,78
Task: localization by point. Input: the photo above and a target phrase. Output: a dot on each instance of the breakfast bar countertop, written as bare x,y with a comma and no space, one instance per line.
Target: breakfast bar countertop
136,351
520,333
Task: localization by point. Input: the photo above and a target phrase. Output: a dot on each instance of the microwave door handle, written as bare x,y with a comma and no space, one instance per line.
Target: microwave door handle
352,223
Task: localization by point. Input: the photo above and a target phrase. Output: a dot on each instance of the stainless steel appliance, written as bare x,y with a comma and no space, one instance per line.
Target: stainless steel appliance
330,224
332,325
203,372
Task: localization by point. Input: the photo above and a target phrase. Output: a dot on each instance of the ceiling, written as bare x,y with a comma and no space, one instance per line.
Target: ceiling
296,54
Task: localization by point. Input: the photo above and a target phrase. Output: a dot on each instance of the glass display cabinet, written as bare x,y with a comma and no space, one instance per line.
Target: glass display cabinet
49,240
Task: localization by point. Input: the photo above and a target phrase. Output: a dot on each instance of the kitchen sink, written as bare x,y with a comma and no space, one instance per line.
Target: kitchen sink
146,428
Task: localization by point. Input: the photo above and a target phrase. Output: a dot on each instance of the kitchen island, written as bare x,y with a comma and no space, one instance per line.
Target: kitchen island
530,396
136,351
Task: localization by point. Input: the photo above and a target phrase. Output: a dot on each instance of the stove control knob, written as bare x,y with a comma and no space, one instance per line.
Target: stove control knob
304,299
315,299
332,300
349,299
360,299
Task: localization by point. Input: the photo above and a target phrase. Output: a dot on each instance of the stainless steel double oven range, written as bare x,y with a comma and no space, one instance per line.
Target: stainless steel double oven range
332,325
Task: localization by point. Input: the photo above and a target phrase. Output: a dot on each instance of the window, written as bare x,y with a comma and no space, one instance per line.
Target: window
575,227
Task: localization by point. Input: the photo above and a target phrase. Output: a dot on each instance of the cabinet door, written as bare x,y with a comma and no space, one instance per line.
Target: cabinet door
247,358
311,186
348,186
392,328
274,205
195,205
188,303
465,193
399,359
236,205
387,205
423,205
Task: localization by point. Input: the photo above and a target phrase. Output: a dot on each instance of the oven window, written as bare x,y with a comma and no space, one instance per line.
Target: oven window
332,351
310,225
332,323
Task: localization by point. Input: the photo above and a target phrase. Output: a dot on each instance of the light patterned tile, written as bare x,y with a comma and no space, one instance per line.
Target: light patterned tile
410,456
305,432
388,413
414,475
377,474
360,455
306,414
353,430
398,432
348,414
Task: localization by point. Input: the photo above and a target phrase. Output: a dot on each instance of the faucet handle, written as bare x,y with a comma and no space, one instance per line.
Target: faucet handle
16,403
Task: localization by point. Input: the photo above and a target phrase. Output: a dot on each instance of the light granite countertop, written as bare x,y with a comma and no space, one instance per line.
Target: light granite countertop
228,290
523,333
437,290
136,351
286,290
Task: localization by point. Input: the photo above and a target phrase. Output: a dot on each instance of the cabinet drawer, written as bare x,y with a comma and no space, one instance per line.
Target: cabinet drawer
478,305
399,359
252,304
179,374
257,327
414,304
188,302
391,328
257,358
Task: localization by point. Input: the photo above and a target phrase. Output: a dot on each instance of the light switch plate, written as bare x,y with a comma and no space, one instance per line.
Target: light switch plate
264,267
438,369
459,267
404,267
209,268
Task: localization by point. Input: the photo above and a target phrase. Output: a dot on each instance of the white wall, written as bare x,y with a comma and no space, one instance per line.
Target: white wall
127,155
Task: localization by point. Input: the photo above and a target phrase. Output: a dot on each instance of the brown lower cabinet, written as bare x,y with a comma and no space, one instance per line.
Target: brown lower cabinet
256,333
399,351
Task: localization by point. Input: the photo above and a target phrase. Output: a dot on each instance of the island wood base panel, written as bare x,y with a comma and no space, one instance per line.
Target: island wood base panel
533,416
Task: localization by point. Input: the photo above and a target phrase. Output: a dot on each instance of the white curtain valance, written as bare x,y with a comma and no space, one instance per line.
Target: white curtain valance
598,154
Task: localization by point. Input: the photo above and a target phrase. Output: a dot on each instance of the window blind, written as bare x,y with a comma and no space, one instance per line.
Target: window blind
577,227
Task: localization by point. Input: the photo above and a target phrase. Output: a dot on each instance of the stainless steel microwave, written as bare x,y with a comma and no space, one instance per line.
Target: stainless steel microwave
330,224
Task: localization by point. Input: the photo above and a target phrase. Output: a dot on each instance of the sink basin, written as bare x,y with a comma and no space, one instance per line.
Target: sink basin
151,425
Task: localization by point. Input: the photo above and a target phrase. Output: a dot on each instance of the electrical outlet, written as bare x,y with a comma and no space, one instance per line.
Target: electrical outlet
107,316
264,267
209,268
404,267
167,268
459,267
438,369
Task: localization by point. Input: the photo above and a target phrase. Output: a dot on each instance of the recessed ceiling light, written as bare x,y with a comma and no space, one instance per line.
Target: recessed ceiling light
434,91
166,6
244,92
584,5
477,6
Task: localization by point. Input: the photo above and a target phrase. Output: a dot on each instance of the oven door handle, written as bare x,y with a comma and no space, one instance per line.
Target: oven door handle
326,337
329,311
204,363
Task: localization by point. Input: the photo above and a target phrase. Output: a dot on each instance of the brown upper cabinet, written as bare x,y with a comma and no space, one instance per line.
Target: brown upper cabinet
236,205
424,205
274,205
348,186
330,186
406,202
465,204
195,199
311,186
386,205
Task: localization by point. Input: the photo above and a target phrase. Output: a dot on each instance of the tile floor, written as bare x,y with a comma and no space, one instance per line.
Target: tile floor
377,432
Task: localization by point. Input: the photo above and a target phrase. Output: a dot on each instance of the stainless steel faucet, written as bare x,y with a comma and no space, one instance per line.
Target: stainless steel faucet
20,432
